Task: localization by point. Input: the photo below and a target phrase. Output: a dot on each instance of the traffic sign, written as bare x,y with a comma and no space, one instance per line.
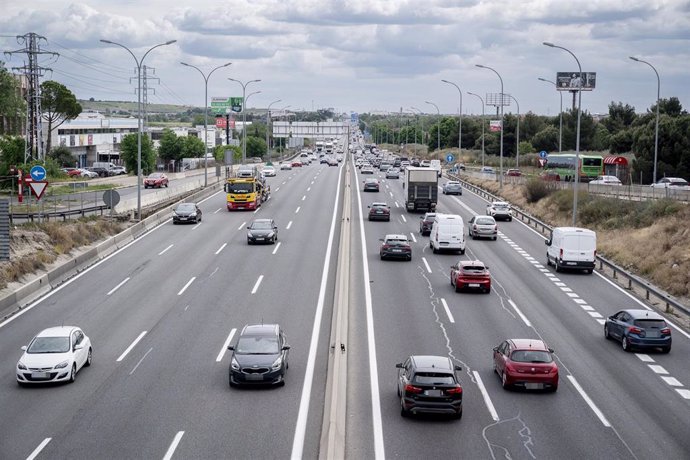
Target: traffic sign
543,154
542,162
37,188
111,198
450,158
38,173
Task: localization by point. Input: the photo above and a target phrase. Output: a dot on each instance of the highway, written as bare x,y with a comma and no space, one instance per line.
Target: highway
161,311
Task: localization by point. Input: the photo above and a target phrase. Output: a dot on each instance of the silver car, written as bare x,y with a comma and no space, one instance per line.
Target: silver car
452,187
393,173
483,227
499,210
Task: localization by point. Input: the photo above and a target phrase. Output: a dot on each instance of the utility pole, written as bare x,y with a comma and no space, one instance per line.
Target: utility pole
145,91
32,71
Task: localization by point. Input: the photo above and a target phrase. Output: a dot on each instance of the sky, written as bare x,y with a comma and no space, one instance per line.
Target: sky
362,55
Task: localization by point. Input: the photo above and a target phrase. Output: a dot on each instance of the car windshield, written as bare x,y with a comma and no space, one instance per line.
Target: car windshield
531,356
240,188
434,378
257,345
185,207
650,323
261,225
155,176
49,345
501,207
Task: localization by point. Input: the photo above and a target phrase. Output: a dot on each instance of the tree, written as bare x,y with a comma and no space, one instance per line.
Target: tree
193,147
620,117
198,120
12,106
58,104
546,139
128,153
256,147
671,107
170,147
530,125
11,153
62,156
621,142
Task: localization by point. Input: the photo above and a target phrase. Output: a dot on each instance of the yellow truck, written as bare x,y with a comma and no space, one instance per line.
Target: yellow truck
246,192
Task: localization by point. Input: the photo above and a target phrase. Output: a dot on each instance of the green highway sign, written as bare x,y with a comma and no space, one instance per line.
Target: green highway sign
219,105
236,104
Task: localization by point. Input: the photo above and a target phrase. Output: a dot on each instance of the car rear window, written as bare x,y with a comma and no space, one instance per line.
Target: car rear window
485,221
473,268
434,378
650,323
531,356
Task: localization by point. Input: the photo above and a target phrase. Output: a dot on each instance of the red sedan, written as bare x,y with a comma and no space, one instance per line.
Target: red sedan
296,164
470,274
156,180
526,363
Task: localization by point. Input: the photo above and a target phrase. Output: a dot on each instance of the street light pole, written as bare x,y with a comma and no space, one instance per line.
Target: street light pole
658,98
560,121
460,132
139,121
500,176
577,135
517,157
438,134
415,130
268,122
244,116
206,77
483,123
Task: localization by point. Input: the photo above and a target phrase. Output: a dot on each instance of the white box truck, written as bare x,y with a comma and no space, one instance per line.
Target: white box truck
572,248
421,188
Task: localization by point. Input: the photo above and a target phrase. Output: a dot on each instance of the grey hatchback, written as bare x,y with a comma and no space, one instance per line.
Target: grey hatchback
260,356
452,187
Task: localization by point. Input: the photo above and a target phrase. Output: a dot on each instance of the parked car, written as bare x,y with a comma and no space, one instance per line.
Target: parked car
379,211
672,182
527,363
371,185
56,354
606,180
452,187
83,172
429,384
513,172
285,166
262,231
483,227
393,173
395,247
101,172
499,210
487,170
156,180
642,329
186,212
426,222
260,356
118,170
470,274
550,176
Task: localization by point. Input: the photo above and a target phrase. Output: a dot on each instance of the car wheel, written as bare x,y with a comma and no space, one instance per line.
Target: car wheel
166,185
558,267
457,288
458,416
249,241
553,389
504,381
397,387
510,219
273,241
487,290
495,238
666,349
607,335
435,251
73,373
589,271
174,222
548,260
21,384
625,344
88,358
409,258
462,252
403,412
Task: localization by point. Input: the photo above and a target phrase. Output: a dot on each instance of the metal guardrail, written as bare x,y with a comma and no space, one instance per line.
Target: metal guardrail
621,276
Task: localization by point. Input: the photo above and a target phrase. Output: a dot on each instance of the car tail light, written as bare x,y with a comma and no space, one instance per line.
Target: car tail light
666,331
385,246
412,389
634,330
454,391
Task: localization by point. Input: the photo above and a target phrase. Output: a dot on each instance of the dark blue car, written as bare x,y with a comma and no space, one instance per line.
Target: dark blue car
639,329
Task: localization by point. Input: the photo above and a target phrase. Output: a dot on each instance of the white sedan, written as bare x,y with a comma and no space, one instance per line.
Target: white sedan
268,171
606,180
55,355
285,165
672,182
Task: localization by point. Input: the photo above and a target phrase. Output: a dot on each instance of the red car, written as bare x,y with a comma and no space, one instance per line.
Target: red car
296,164
513,173
470,274
379,211
156,180
526,363
550,176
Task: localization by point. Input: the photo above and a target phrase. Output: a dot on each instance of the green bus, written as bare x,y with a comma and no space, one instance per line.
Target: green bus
563,164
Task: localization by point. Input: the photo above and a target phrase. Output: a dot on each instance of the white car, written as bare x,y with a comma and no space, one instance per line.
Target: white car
268,171
672,182
285,165
499,210
56,354
606,180
87,173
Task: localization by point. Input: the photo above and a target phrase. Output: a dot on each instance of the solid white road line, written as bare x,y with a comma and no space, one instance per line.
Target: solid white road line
217,211
221,248
297,210
403,218
165,250
305,399
277,246
256,285
118,286
173,445
445,307
426,264
413,238
142,358
485,395
219,358
186,285
132,345
517,310
288,225
38,449
589,402
241,225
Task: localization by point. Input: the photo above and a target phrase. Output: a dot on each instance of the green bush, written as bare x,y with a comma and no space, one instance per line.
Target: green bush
536,189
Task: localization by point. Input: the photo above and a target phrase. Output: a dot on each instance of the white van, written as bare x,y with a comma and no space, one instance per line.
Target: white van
103,164
447,233
572,248
436,164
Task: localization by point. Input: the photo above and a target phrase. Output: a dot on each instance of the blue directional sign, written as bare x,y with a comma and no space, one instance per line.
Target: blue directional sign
450,158
543,154
38,173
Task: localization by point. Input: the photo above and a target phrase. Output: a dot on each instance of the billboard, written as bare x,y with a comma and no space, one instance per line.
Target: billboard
571,81
219,105
495,125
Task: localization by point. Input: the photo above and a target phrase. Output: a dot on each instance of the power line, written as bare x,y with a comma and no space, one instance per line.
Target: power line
121,69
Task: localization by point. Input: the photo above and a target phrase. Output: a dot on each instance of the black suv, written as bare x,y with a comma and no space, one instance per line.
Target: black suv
260,356
426,223
102,172
428,384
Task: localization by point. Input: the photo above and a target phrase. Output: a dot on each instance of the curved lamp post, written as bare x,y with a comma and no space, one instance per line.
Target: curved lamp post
438,135
139,63
206,77
268,122
517,144
577,135
483,123
460,132
500,175
656,129
560,120
244,116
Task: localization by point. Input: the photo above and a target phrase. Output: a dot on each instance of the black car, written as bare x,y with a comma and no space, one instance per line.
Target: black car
102,172
260,356
426,222
262,231
185,213
428,384
371,185
395,247
641,329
